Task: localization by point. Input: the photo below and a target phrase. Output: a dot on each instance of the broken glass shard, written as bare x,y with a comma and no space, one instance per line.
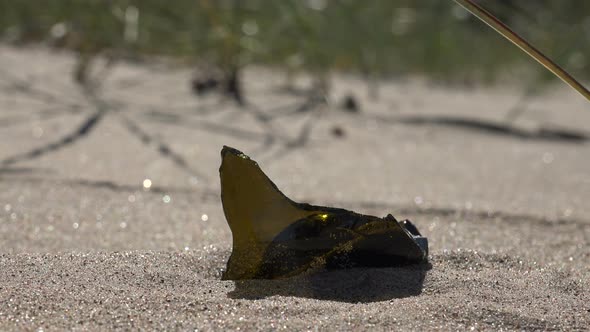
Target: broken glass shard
275,237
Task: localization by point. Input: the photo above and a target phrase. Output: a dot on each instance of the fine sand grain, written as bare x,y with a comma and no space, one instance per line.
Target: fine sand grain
84,245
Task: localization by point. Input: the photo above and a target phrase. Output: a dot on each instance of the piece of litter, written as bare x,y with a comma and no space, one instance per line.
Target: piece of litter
274,237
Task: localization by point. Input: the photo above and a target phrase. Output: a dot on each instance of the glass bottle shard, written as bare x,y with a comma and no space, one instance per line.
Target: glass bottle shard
275,237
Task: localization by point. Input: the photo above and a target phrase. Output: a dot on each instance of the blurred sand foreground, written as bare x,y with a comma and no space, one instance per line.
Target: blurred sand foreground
84,246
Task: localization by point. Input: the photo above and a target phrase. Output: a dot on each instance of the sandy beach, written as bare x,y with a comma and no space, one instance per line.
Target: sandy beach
86,244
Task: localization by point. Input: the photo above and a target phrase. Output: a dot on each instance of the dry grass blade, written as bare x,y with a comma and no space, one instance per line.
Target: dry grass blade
505,31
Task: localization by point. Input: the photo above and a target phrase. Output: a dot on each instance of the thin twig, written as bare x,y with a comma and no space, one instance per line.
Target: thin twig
524,45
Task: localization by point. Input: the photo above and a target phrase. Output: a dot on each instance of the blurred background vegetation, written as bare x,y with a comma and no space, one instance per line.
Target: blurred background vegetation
377,38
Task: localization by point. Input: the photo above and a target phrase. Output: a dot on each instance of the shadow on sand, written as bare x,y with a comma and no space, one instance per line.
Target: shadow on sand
362,285
495,128
82,131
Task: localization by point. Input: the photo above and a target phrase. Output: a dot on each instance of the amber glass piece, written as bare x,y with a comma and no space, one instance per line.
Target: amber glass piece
274,237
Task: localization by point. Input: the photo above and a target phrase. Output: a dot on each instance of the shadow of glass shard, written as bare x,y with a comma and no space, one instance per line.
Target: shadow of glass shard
275,237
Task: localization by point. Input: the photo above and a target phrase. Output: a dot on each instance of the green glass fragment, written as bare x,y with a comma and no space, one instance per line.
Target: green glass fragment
275,237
